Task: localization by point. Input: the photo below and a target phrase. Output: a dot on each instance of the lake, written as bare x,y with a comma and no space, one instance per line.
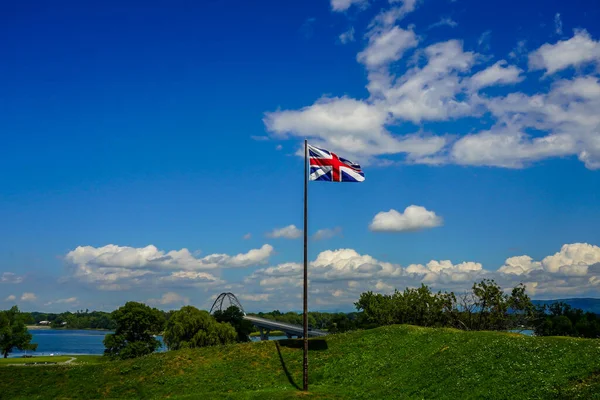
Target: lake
63,341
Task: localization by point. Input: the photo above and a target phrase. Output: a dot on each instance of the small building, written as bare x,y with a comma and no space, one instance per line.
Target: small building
44,323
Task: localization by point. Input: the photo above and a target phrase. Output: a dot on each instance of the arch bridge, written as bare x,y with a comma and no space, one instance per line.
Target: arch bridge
265,326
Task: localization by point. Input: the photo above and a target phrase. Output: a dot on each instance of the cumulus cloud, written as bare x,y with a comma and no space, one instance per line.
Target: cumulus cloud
288,232
337,277
578,50
446,272
28,296
413,218
11,297
170,298
10,277
330,265
115,267
323,234
572,259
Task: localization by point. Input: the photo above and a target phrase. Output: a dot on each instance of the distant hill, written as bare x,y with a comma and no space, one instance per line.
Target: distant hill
586,304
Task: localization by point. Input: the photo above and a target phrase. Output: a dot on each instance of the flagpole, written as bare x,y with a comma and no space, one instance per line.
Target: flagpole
305,316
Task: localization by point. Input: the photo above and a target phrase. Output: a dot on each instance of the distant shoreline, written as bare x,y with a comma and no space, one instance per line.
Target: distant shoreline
43,327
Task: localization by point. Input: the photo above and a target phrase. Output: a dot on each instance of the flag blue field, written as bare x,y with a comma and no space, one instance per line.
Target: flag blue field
327,166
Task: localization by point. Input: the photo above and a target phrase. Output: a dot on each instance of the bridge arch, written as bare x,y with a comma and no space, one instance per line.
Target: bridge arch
229,299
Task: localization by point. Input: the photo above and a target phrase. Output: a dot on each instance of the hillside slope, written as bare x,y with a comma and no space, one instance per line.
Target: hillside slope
391,362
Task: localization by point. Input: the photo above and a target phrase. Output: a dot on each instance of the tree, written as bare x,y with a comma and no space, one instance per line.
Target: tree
190,327
134,335
13,332
235,317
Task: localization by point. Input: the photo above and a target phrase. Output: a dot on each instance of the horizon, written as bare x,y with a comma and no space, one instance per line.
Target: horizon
153,153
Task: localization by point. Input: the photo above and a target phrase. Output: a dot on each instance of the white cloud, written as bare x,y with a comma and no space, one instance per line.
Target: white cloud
444,21
395,13
567,113
446,272
413,218
170,298
429,92
572,259
149,257
27,296
343,5
387,46
330,265
323,234
11,297
254,297
437,83
497,74
115,267
10,277
508,147
348,36
337,277
69,300
279,147
288,232
520,265
558,27
192,278
247,236
578,50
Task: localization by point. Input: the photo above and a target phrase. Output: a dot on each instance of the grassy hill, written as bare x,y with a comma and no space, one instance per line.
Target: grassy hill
392,362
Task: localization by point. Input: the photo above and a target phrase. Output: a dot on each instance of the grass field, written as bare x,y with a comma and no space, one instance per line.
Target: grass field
395,362
52,359
272,333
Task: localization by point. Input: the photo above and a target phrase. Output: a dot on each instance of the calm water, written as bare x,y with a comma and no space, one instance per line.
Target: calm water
59,341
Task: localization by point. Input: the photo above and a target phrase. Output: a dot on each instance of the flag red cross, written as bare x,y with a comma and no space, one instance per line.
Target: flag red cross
335,163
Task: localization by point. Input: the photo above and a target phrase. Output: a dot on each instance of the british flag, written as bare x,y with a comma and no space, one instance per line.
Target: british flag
327,166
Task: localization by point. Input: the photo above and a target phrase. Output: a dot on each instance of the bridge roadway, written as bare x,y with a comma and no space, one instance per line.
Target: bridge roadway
267,325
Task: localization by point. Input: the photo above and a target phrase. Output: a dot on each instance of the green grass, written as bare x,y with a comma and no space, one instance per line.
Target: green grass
56,359
395,362
52,359
272,333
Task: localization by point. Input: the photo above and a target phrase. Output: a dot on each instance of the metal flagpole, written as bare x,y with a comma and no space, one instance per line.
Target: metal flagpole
305,316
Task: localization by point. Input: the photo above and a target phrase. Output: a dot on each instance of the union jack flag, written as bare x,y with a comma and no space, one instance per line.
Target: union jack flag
327,166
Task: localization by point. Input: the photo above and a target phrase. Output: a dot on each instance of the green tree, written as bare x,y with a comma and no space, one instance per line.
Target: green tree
13,332
190,327
235,317
134,335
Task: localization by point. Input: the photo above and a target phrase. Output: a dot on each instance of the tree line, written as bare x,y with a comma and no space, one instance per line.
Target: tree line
485,307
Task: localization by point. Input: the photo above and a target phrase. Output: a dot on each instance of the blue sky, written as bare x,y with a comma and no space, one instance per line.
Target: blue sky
178,126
